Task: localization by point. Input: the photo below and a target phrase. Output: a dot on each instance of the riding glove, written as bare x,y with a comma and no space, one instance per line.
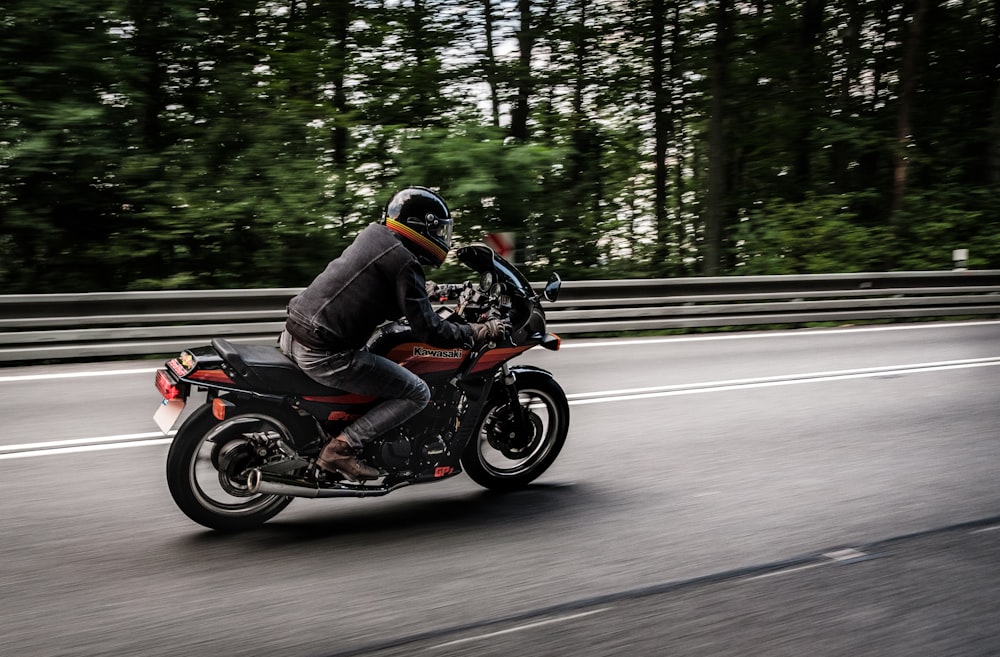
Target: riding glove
491,329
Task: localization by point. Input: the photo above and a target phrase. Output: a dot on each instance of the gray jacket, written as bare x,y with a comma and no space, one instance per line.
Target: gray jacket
375,279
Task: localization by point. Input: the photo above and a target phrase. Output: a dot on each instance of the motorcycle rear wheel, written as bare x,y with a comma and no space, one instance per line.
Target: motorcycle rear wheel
208,462
498,460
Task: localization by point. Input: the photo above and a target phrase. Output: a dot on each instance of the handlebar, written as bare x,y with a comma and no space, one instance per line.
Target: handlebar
448,291
474,305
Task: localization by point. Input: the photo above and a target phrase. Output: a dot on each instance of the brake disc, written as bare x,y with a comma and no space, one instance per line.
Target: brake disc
501,434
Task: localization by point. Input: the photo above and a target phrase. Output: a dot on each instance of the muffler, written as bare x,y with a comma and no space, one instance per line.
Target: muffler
272,483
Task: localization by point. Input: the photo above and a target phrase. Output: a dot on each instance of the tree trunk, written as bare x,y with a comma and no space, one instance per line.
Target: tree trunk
523,80
994,134
809,94
584,174
717,142
853,58
907,84
491,64
149,47
341,18
661,131
675,121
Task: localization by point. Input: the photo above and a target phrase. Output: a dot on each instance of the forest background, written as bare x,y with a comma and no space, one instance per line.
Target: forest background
242,143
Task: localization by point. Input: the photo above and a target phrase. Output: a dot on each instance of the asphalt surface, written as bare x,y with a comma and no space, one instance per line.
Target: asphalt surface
828,492
931,594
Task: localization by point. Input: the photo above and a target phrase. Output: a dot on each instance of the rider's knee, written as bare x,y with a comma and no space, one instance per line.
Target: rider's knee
420,392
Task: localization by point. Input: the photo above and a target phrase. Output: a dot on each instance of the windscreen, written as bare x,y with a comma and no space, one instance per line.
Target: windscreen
482,258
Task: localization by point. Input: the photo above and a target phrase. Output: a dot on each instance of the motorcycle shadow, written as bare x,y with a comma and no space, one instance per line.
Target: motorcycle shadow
458,513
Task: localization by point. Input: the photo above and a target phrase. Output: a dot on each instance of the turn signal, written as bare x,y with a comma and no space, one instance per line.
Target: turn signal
219,408
552,342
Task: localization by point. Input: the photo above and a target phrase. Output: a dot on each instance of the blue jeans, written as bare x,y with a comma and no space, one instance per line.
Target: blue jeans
404,393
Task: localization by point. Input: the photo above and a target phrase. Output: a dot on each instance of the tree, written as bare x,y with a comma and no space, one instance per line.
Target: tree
60,143
904,127
243,143
718,143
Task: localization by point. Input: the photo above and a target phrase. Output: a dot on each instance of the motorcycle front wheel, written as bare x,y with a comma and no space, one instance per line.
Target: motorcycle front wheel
499,456
209,461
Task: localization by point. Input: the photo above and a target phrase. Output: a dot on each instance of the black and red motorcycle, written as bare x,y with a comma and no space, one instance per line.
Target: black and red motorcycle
242,456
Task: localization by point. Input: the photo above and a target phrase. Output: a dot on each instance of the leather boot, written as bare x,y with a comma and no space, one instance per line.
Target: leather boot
339,456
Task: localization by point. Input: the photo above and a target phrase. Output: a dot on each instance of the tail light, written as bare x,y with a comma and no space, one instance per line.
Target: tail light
165,384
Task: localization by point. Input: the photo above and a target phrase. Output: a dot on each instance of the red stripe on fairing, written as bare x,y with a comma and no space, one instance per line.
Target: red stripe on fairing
493,358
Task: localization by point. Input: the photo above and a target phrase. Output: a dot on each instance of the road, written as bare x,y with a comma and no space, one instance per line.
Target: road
710,484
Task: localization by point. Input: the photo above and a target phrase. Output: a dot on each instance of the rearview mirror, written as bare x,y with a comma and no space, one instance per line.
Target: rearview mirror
551,292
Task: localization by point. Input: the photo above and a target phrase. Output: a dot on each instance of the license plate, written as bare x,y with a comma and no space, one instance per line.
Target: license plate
168,412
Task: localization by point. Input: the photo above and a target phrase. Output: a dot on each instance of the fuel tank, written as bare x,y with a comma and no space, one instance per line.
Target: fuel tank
397,342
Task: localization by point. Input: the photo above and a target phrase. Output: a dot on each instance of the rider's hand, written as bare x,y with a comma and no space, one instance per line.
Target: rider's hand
491,329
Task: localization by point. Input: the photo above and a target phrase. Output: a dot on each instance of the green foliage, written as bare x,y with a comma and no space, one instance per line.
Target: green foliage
191,144
816,236
491,185
940,220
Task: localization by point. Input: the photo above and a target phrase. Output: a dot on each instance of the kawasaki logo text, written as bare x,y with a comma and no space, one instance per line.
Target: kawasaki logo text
437,353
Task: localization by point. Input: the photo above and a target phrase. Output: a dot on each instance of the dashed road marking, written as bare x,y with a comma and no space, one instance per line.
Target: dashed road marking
519,628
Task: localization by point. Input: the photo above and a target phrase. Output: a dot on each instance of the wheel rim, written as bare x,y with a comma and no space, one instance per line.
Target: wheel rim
497,456
220,463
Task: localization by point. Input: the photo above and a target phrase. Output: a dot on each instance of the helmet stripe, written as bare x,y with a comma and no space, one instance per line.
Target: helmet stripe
433,249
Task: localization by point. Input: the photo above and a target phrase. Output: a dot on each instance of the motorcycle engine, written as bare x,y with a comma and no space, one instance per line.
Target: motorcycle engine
395,452
422,444
399,452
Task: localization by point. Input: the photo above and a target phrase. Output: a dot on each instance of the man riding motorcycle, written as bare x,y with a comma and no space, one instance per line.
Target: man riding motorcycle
377,278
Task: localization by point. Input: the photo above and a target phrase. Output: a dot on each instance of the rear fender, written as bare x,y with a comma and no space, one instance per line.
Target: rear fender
301,429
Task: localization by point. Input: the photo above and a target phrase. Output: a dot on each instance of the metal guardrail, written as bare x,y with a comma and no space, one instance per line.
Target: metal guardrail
40,327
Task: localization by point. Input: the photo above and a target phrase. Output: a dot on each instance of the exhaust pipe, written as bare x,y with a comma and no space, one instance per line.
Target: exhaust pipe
270,483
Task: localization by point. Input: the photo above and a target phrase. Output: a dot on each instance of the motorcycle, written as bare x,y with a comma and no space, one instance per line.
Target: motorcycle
241,457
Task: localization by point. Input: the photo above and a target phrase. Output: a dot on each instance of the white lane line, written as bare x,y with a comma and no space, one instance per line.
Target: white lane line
122,438
624,342
605,396
73,375
784,571
519,628
25,450
846,555
84,448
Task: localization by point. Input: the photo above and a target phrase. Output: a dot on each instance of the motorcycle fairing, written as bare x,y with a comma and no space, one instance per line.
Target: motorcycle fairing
482,258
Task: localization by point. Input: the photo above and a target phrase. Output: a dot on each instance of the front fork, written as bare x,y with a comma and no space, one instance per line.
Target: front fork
522,427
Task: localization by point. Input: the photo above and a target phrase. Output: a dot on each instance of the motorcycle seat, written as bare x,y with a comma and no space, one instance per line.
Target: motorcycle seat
266,368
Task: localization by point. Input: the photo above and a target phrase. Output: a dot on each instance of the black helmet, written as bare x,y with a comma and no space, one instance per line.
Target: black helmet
421,219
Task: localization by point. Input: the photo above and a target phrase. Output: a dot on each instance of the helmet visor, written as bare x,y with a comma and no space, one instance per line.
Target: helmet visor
438,229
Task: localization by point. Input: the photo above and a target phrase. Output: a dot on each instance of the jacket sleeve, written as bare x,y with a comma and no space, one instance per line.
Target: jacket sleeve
426,324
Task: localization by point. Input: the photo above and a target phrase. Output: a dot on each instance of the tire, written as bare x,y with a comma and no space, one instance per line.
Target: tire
208,459
491,461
